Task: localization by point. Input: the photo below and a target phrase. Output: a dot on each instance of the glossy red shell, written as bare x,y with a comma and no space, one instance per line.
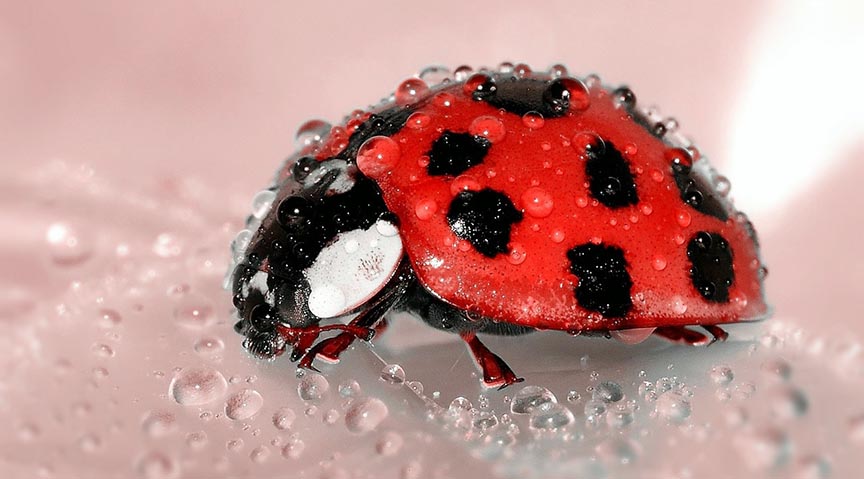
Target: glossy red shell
542,171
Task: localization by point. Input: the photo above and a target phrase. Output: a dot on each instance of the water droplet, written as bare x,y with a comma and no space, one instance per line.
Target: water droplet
608,391
659,262
239,245
365,415
624,97
683,217
558,70
412,470
312,386
418,120
557,236
594,407
196,440
411,91
620,416
462,72
66,246
777,369
393,374
156,465
573,396
522,70
209,346
262,202
294,449
549,415
529,397
722,375
260,454
312,132
435,75
517,254
103,350
194,313
415,386
284,418
425,208
479,86
537,202
673,407
489,127
788,402
234,445
194,387
678,305
377,156
243,404
485,420
533,120
109,318
389,444
587,143
763,449
89,443
464,183
159,423
350,388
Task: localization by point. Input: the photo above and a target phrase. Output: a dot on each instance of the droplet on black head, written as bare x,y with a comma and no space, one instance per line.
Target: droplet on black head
604,283
523,95
625,97
293,211
262,317
557,96
303,167
483,218
609,178
711,266
453,153
697,192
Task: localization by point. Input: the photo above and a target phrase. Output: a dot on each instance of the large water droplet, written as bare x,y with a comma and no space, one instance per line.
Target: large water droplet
377,156
365,415
312,132
530,397
608,391
537,202
411,91
243,404
262,202
673,407
393,374
549,415
194,387
489,127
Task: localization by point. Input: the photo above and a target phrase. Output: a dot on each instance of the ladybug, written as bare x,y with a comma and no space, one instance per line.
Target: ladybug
501,202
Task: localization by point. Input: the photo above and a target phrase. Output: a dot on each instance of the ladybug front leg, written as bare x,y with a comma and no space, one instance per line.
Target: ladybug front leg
368,320
495,371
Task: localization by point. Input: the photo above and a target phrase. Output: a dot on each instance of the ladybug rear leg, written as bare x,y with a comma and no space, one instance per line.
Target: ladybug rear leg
495,371
717,333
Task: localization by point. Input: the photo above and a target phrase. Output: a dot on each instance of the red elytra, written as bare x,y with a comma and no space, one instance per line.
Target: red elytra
542,170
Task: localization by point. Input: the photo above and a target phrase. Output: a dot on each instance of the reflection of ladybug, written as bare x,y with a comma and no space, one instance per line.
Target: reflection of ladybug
501,203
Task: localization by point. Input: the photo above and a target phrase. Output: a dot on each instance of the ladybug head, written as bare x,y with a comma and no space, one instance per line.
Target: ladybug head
325,247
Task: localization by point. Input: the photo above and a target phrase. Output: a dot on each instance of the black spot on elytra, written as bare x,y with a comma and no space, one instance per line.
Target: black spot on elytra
711,266
604,283
609,178
483,218
697,192
453,153
522,95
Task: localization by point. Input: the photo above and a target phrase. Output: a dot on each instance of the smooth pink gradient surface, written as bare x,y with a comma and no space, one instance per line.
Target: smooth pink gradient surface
130,120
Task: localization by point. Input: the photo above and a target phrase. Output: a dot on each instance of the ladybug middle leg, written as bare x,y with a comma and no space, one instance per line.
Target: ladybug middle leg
495,371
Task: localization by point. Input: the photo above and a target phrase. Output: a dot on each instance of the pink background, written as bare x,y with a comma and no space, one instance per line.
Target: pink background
195,103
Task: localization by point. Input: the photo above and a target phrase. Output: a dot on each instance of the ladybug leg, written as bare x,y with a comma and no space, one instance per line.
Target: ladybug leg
717,333
495,371
369,320
682,335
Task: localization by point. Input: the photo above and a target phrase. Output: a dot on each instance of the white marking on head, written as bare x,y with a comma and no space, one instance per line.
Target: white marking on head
259,282
353,268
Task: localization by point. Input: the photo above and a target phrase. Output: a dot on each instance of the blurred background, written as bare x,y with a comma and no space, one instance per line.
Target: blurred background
134,135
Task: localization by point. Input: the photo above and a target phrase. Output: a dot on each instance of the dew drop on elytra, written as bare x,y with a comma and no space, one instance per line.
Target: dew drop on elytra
311,132
435,75
411,91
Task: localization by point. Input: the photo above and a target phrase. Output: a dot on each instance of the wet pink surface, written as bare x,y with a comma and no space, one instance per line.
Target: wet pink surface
133,138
